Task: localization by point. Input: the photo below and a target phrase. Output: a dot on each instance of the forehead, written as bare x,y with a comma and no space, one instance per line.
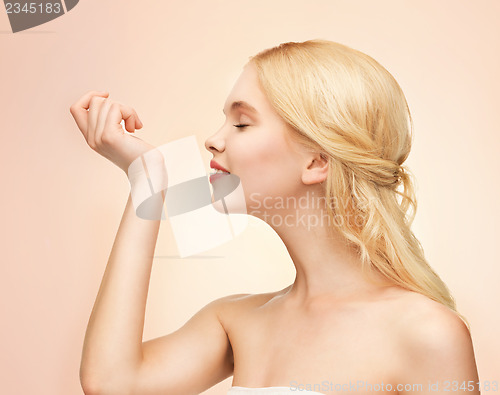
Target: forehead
247,89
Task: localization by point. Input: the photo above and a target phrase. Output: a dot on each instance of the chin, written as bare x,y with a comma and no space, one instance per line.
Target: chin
228,196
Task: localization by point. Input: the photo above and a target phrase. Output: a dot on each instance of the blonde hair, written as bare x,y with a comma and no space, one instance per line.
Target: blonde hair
344,104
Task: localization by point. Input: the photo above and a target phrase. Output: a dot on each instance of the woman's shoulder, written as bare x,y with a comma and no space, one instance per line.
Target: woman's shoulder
423,325
251,300
236,304
414,311
430,339
412,308
422,335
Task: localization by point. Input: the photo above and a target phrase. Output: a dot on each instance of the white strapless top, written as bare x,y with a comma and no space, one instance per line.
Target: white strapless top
269,391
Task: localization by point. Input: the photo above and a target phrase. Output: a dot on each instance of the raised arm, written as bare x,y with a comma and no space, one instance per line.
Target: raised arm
112,350
114,358
116,361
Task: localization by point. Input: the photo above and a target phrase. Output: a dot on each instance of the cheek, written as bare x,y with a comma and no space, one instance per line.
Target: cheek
265,166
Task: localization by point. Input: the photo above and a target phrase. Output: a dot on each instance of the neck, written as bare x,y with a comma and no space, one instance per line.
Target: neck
326,266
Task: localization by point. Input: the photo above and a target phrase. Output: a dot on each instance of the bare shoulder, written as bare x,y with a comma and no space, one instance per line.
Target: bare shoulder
231,306
432,340
419,320
419,316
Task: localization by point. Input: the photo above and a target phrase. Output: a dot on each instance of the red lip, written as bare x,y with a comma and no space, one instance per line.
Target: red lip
215,165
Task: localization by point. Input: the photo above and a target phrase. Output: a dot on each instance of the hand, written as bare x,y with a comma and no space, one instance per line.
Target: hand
103,132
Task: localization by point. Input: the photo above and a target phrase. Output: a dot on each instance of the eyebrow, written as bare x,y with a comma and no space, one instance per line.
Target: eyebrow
241,104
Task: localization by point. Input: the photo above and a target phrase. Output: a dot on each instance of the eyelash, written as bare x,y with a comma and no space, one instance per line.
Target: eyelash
240,126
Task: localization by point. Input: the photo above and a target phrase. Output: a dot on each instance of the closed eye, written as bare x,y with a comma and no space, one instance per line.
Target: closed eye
240,126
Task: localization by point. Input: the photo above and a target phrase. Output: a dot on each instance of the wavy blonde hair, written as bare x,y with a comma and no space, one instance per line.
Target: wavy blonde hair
347,106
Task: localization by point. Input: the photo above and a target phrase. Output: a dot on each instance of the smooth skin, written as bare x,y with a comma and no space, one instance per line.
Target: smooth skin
332,324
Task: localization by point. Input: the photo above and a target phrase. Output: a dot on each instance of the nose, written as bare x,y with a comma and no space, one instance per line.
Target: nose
215,142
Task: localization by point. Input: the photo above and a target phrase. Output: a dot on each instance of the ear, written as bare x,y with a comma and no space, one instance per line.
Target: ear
316,169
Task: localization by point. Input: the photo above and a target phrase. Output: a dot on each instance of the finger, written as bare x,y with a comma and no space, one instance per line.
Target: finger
130,123
134,122
101,120
94,108
130,117
79,110
138,124
117,112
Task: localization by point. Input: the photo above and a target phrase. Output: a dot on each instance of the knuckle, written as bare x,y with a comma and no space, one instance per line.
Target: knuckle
106,138
100,139
98,142
95,99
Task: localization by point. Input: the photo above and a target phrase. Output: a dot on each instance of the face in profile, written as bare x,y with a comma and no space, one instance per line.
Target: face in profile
252,145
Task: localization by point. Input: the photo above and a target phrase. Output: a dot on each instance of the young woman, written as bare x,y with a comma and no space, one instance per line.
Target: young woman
317,132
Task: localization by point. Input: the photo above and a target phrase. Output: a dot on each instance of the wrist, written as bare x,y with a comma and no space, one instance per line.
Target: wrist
148,180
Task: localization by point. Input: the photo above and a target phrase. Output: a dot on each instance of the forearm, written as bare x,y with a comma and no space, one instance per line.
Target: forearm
112,350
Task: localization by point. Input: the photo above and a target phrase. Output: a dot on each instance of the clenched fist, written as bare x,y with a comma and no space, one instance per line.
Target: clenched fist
99,119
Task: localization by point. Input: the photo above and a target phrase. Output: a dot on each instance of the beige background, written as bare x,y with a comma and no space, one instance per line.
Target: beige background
175,63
